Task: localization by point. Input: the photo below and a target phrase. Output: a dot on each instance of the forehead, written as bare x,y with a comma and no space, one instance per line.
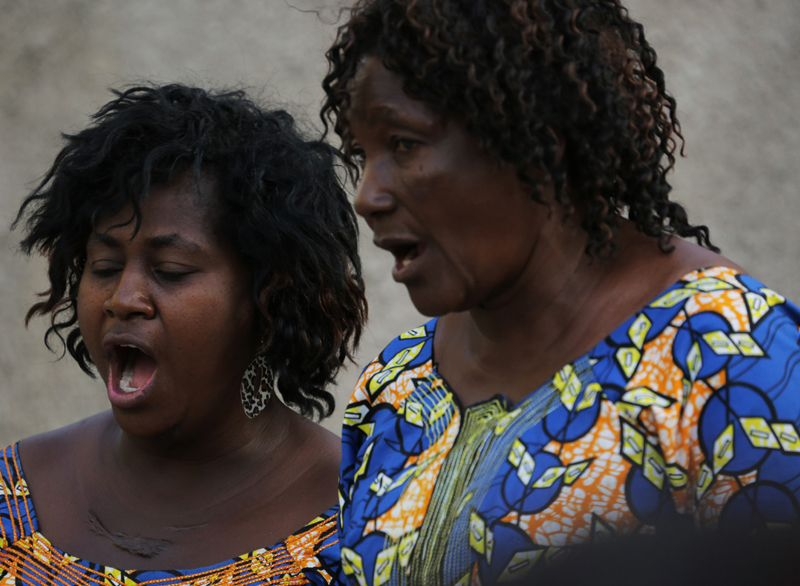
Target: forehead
183,206
377,96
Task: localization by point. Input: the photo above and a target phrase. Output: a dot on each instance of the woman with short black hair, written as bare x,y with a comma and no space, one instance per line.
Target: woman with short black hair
202,258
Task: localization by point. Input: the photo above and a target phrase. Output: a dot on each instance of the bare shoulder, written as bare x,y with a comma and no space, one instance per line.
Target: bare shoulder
320,447
47,453
655,269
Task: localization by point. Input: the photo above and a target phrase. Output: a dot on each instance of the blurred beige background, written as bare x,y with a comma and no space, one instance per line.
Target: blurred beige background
733,65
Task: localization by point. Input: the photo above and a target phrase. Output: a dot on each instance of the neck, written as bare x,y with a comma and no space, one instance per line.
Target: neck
519,337
558,276
223,452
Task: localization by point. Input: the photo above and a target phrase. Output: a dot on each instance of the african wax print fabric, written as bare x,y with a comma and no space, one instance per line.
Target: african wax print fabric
686,413
27,558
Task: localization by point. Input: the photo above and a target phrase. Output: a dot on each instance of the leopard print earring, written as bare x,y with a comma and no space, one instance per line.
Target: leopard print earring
256,383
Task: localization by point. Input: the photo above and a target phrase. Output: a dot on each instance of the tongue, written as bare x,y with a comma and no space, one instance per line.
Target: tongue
143,369
138,371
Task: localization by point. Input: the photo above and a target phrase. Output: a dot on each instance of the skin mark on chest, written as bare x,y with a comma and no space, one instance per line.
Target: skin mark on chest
146,547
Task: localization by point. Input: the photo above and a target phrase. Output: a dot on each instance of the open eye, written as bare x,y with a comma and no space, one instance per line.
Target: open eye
358,155
404,145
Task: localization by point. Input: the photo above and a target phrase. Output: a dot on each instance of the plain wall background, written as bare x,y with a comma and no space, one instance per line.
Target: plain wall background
733,65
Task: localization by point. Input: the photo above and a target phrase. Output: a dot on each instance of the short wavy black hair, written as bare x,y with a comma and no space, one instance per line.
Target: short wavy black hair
283,208
528,77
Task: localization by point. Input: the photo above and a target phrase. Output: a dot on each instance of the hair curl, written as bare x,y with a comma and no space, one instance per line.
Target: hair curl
528,77
283,208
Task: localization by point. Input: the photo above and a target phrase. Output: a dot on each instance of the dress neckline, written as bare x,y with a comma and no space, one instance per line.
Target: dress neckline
548,384
184,573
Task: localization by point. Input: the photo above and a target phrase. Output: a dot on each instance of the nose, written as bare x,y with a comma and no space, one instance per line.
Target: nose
131,296
374,197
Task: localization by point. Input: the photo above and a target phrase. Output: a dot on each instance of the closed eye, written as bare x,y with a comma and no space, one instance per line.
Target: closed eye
105,268
172,273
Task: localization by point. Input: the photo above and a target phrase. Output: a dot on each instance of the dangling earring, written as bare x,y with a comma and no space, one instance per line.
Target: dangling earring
256,383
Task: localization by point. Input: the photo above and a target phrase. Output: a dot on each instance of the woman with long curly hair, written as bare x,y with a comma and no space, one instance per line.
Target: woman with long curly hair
587,371
202,256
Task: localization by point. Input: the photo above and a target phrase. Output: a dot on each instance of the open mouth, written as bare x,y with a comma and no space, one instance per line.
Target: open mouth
131,369
404,254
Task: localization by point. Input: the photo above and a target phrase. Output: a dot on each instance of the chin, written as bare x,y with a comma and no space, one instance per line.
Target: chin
435,304
145,424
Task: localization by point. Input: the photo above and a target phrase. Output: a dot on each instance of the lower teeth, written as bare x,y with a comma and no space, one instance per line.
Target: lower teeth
124,383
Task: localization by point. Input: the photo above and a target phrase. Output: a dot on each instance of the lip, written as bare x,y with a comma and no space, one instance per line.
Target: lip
400,247
119,398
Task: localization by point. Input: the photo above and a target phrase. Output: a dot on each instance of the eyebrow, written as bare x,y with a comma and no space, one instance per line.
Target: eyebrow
390,115
174,240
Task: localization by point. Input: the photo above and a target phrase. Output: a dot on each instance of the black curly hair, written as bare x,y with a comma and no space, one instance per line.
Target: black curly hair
283,208
528,77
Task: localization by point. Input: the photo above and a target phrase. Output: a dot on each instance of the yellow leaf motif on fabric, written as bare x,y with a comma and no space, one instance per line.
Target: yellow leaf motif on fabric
639,329
632,443
355,415
353,565
419,332
364,463
117,578
629,412
723,448
590,395
367,428
574,471
677,477
708,284
757,305
21,488
412,410
394,367
787,435
601,530
525,468
759,433
694,361
381,484
746,344
672,298
772,297
549,477
515,455
654,466
520,564
645,397
628,359
405,356
383,566
262,562
569,384
382,377
720,344
704,480
477,533
406,547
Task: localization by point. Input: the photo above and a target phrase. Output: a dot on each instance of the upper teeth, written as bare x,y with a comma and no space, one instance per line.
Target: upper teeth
128,346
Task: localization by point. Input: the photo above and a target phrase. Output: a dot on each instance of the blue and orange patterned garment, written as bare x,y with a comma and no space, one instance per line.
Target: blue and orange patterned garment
27,558
688,412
